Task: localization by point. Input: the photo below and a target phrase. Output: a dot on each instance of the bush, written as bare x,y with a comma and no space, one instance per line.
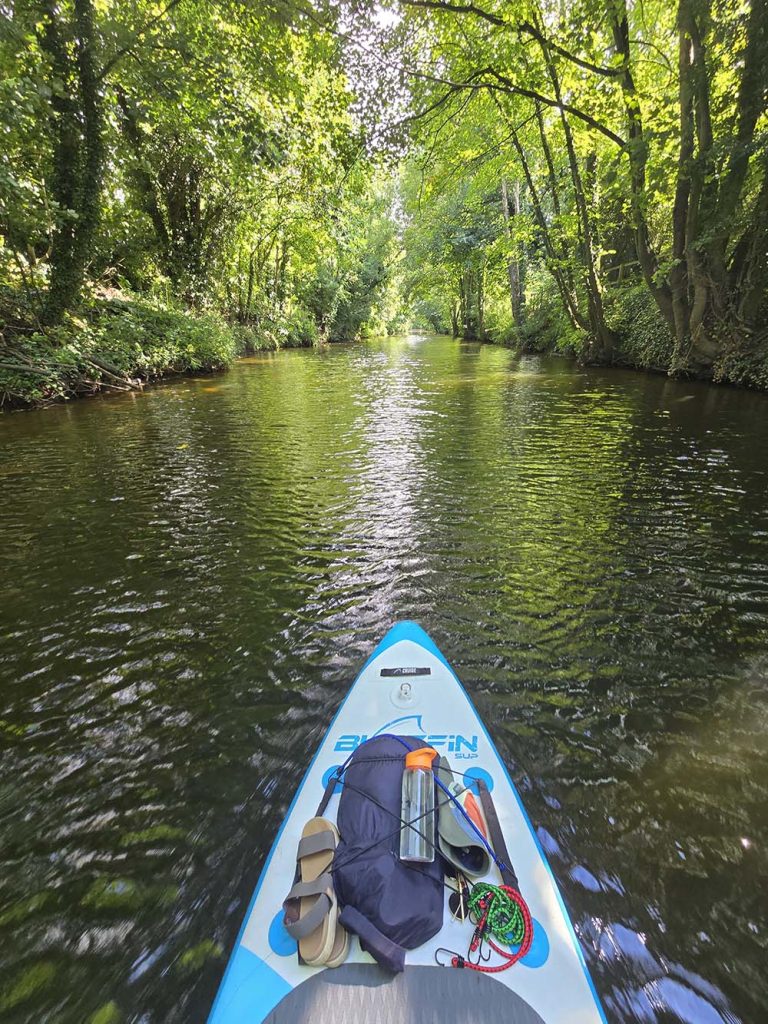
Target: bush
150,341
301,328
249,340
745,364
114,344
545,327
644,336
295,329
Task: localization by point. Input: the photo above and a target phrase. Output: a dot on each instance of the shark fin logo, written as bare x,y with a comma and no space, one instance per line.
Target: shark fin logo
417,731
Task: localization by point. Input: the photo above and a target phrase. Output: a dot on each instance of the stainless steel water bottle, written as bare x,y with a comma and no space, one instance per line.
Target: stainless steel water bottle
417,808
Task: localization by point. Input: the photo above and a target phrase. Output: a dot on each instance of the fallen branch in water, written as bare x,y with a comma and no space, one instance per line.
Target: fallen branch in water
113,372
104,384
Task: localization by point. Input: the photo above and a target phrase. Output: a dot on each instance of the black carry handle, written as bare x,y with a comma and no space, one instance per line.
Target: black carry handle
327,794
497,837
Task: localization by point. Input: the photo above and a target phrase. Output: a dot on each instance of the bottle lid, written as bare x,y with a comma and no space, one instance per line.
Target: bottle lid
421,758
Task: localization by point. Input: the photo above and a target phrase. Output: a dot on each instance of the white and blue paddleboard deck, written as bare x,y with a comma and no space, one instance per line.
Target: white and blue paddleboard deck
264,980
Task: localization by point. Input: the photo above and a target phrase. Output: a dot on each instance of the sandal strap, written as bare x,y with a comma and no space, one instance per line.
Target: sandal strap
312,920
314,887
317,843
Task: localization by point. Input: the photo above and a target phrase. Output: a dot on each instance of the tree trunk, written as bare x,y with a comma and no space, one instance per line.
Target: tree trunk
282,265
76,177
748,270
638,158
251,277
517,210
554,263
514,264
565,256
603,336
750,106
146,183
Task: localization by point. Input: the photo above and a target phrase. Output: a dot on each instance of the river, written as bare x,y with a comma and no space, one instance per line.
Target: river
190,578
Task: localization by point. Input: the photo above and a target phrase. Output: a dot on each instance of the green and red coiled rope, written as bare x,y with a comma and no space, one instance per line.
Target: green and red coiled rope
503,914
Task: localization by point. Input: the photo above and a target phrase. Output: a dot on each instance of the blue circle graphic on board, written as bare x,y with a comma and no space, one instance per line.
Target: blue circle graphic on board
480,773
327,778
280,941
538,954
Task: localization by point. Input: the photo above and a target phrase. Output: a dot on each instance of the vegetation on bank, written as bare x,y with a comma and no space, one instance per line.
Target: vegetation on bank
596,170
122,342
586,176
642,339
116,344
201,158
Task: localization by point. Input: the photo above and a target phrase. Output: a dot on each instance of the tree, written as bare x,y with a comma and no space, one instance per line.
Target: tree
666,105
68,40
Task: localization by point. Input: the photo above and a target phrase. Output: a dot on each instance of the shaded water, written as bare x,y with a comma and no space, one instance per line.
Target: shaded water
190,578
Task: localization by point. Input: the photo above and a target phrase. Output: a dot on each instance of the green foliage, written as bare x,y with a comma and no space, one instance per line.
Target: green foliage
546,327
640,159
149,341
114,344
745,363
224,158
644,337
202,157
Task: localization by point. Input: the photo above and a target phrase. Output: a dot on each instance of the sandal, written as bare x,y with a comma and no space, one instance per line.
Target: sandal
340,947
311,909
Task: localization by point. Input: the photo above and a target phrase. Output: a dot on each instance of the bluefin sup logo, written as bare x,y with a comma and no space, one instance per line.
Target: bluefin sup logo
459,746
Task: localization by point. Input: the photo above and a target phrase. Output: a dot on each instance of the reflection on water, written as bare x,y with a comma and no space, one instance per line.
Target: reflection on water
190,578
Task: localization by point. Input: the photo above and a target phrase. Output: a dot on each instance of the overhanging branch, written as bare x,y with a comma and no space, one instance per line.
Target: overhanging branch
524,27
118,56
438,5
476,82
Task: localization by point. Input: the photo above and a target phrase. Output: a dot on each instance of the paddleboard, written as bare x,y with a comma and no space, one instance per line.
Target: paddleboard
408,688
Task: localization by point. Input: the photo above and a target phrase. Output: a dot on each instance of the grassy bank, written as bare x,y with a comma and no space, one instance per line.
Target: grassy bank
114,344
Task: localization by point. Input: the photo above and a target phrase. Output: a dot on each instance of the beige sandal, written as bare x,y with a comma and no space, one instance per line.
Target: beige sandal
340,949
311,909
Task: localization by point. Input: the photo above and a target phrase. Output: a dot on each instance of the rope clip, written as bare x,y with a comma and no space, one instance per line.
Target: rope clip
455,959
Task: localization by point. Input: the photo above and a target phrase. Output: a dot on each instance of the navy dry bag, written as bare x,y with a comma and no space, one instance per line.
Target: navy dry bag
389,904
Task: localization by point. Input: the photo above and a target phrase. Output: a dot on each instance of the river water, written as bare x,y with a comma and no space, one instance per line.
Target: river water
190,578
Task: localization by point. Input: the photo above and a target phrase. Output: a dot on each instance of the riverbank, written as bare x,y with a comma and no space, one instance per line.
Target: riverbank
116,343
643,342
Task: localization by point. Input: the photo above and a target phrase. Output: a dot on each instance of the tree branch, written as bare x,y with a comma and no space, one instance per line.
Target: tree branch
438,5
137,36
540,38
524,27
508,86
